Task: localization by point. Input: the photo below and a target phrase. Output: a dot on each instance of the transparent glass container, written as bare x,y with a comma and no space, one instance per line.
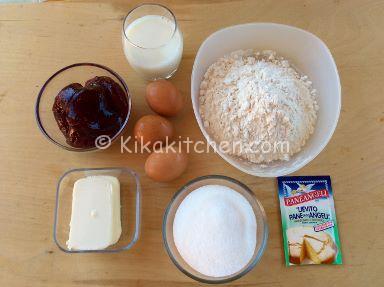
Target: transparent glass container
76,73
261,231
130,199
152,41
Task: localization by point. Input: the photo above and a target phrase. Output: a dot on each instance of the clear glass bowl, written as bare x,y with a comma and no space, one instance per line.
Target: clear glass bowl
130,194
76,73
261,220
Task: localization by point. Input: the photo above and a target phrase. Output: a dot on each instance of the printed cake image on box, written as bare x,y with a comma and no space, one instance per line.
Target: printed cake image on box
308,219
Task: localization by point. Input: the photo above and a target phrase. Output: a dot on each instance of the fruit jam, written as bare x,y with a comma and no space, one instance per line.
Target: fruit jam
83,113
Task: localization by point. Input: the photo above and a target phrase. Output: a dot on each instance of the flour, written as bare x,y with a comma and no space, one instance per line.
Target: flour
215,230
255,101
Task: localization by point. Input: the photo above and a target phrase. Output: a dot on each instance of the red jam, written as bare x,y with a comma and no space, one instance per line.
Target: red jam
85,113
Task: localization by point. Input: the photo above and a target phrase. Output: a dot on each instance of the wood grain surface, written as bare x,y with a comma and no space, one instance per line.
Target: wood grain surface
38,39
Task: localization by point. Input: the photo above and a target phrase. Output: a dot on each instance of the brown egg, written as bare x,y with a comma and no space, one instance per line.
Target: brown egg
166,164
152,129
164,98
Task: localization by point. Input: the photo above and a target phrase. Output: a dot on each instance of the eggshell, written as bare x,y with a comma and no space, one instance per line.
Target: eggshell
151,129
164,98
166,164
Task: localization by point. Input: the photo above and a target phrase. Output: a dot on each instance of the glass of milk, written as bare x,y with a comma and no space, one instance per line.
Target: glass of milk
152,41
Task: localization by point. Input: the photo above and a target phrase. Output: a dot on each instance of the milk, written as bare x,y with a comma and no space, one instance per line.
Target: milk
152,46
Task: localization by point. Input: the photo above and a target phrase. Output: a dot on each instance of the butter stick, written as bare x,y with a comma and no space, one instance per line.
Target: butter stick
95,219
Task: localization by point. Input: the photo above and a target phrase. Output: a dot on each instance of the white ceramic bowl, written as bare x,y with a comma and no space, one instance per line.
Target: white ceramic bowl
307,53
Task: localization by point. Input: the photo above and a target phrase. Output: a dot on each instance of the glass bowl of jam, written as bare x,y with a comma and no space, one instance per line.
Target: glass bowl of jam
83,107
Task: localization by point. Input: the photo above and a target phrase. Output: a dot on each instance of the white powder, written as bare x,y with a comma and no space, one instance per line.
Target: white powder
215,230
256,101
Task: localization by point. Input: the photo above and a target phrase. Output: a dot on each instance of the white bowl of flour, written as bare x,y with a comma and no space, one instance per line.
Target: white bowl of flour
316,96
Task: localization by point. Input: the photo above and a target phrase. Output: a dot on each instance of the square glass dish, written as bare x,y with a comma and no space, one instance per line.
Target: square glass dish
130,200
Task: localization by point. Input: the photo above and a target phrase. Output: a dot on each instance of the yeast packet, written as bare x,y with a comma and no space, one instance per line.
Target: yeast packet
308,218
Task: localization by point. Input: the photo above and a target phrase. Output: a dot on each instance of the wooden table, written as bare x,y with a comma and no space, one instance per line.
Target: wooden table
38,39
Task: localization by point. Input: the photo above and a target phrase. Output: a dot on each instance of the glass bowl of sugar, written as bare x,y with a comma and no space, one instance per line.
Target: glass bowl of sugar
214,229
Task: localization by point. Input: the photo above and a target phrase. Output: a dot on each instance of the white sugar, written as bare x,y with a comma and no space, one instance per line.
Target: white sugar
215,230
